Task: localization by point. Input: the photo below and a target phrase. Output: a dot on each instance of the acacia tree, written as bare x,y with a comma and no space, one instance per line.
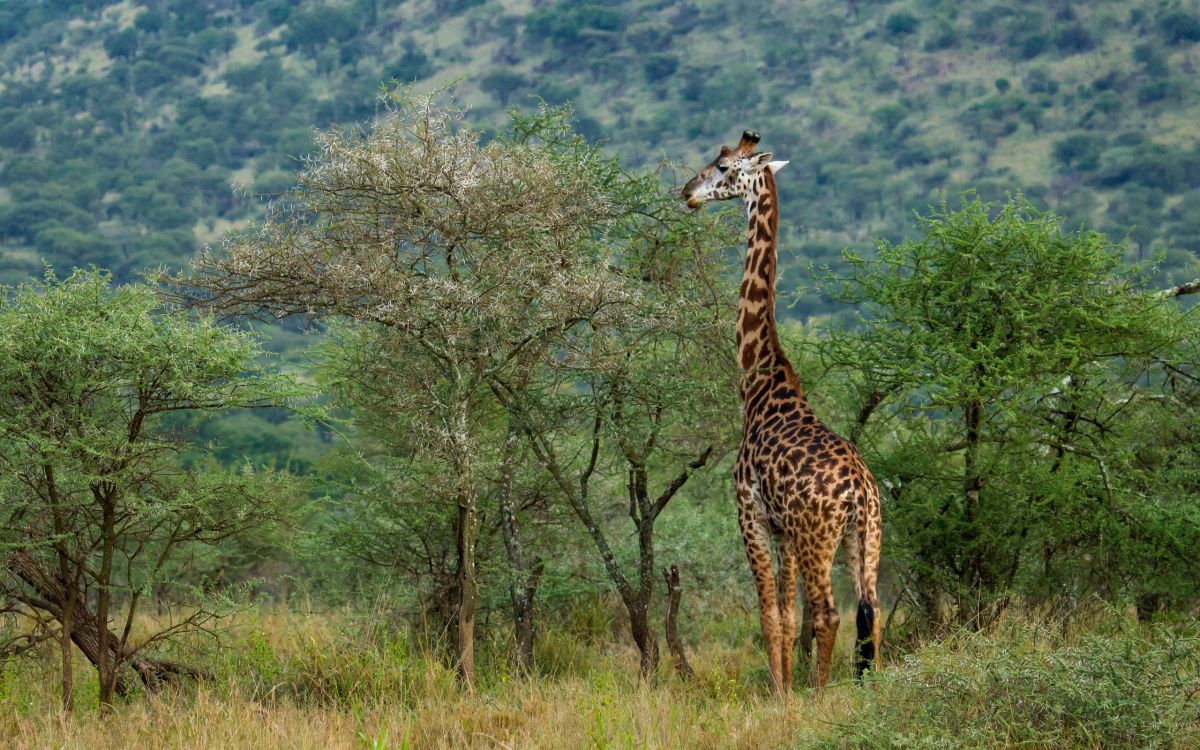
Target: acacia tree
94,501
639,402
451,257
1001,362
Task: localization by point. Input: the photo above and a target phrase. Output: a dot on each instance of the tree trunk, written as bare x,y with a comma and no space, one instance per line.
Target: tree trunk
674,591
70,587
468,590
643,635
68,671
523,615
467,533
108,667
526,574
970,613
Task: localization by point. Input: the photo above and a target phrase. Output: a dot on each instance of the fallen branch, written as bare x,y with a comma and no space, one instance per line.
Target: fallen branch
47,595
1188,287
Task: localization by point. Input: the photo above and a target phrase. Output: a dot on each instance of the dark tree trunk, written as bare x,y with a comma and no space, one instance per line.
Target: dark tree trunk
642,511
66,651
671,624
523,598
643,634
970,613
468,592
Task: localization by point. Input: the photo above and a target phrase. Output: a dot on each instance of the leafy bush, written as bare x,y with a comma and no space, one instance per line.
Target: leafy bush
1122,690
1180,26
995,345
1080,151
571,24
901,23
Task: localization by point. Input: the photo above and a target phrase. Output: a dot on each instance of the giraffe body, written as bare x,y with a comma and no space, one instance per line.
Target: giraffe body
799,485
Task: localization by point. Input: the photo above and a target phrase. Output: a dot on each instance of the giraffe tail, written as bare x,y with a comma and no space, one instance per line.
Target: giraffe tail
862,548
865,621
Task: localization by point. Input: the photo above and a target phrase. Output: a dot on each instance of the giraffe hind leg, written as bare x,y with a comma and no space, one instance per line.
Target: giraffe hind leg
788,568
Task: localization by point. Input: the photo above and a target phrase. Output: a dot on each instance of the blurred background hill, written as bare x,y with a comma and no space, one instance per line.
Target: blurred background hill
124,126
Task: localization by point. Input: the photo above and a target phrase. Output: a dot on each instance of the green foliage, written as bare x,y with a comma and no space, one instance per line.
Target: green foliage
1028,687
502,84
95,500
570,25
1003,344
226,86
902,23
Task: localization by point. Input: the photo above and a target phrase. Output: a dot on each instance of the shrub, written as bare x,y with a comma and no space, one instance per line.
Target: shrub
1123,690
1180,27
901,23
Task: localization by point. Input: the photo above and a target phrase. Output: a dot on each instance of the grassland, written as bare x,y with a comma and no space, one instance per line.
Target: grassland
290,679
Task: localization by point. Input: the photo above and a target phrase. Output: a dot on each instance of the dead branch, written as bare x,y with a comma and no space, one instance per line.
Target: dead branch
674,590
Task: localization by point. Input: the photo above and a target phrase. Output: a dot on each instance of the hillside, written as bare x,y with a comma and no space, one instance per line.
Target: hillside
124,125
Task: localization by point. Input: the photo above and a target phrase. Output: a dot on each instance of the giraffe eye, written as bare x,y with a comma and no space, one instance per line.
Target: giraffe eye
723,166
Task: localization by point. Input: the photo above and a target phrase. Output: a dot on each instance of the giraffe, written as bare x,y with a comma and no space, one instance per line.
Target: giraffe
797,482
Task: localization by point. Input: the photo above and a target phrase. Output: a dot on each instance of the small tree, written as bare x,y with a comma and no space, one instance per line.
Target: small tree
1007,355
452,257
94,501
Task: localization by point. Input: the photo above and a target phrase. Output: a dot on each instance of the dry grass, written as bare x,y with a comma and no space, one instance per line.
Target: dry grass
288,680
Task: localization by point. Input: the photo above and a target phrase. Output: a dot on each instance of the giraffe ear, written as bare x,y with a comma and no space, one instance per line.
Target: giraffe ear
775,166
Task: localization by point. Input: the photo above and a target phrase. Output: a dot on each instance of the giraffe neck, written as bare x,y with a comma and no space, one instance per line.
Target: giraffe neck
757,340
759,350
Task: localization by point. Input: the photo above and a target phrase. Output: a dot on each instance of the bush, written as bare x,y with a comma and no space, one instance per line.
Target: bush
975,329
121,44
889,116
1073,39
1180,27
659,66
901,23
413,65
1079,152
568,25
147,75
502,84
19,133
1124,690
68,248
942,37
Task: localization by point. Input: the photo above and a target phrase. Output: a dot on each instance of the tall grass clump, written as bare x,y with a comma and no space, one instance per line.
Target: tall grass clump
1032,687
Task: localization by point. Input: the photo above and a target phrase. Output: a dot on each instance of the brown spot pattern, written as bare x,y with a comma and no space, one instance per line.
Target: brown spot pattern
798,483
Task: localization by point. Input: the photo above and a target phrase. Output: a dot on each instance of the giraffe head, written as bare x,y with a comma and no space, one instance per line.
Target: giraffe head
731,174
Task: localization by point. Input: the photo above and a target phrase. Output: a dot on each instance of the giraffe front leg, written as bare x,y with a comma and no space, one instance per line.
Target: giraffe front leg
788,567
756,536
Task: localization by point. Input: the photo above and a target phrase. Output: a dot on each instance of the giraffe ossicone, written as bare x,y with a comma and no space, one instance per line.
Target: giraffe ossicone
798,483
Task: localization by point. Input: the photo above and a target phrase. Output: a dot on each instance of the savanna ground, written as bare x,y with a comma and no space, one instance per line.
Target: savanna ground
293,677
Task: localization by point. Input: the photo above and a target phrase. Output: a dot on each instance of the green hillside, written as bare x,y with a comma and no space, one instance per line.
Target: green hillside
124,125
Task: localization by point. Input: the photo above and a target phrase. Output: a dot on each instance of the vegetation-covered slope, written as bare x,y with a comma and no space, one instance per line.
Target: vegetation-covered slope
123,125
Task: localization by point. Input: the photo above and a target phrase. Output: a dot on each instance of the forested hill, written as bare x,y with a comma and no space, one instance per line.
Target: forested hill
124,125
